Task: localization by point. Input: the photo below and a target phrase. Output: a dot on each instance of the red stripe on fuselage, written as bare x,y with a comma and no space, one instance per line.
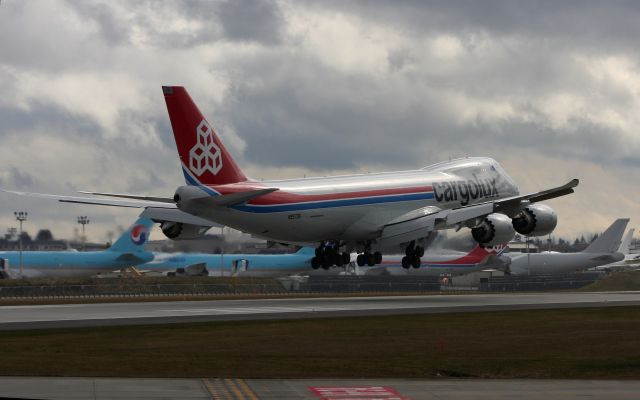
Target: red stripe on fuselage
284,197
475,256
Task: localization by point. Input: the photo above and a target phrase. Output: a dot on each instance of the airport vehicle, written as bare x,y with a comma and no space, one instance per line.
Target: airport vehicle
603,250
240,265
368,213
127,251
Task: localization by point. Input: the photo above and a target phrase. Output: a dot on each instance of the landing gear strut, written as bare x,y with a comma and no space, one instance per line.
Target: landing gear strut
413,255
328,256
369,258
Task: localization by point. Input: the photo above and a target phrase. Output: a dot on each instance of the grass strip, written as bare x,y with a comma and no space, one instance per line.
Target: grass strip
598,343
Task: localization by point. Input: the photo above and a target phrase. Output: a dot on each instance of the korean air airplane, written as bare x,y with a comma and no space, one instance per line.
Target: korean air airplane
366,213
238,265
127,251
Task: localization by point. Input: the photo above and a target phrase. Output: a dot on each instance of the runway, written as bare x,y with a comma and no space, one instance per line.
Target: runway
111,314
313,389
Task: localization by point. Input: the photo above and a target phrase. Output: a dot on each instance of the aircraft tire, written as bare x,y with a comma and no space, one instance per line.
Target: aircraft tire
360,260
377,256
371,260
315,263
405,262
419,251
326,264
415,263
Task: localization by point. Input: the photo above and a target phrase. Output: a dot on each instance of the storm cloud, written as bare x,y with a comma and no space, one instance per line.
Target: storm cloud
550,89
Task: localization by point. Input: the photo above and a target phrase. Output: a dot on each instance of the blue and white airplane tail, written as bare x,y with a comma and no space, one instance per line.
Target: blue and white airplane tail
134,239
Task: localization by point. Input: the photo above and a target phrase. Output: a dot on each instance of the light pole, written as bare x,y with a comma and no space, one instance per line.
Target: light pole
83,220
21,216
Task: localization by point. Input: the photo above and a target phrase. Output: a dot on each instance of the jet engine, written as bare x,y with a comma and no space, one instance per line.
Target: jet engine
535,220
181,231
494,229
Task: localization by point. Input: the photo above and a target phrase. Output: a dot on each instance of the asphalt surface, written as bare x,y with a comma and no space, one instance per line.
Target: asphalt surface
285,389
111,314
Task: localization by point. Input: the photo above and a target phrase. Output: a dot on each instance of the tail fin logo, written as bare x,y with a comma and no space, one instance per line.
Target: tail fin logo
205,155
139,234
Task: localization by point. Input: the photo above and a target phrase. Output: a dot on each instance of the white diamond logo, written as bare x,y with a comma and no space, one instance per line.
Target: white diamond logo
205,155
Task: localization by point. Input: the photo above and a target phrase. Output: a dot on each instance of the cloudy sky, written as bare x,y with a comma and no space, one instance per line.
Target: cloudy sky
550,89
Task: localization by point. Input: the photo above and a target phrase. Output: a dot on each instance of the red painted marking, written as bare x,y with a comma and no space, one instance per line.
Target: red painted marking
356,392
284,197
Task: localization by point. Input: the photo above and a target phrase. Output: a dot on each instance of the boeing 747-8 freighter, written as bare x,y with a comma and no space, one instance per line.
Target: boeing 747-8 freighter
369,213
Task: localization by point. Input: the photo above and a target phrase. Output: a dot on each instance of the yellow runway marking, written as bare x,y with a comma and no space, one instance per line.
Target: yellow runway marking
246,389
231,385
217,389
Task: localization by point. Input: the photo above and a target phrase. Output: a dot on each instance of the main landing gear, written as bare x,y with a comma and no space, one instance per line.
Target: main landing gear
329,256
369,258
413,254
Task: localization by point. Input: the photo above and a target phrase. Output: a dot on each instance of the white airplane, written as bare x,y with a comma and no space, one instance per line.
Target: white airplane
368,213
444,262
603,250
629,260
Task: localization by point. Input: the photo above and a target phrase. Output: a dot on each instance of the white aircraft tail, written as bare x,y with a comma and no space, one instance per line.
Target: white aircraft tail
610,240
626,242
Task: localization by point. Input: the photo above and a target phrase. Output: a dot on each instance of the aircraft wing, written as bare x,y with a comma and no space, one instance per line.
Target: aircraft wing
128,202
418,223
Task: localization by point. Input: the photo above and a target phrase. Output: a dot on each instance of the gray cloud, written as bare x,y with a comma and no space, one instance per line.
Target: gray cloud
319,86
251,20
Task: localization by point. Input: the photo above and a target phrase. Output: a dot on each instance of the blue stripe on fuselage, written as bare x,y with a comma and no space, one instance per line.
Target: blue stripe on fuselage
332,203
193,182
262,209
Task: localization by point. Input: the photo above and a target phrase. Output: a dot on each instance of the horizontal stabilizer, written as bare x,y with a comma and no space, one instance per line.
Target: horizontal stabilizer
132,196
95,201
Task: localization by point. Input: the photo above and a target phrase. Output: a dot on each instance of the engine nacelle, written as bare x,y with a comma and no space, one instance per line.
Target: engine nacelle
181,231
494,229
535,220
185,195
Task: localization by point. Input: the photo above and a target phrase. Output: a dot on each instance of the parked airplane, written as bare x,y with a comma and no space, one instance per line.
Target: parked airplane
241,265
127,251
603,250
369,213
444,262
629,260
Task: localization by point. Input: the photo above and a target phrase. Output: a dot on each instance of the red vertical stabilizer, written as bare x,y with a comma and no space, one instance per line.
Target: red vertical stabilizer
205,160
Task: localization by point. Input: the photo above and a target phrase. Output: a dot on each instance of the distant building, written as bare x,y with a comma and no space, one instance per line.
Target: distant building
44,241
